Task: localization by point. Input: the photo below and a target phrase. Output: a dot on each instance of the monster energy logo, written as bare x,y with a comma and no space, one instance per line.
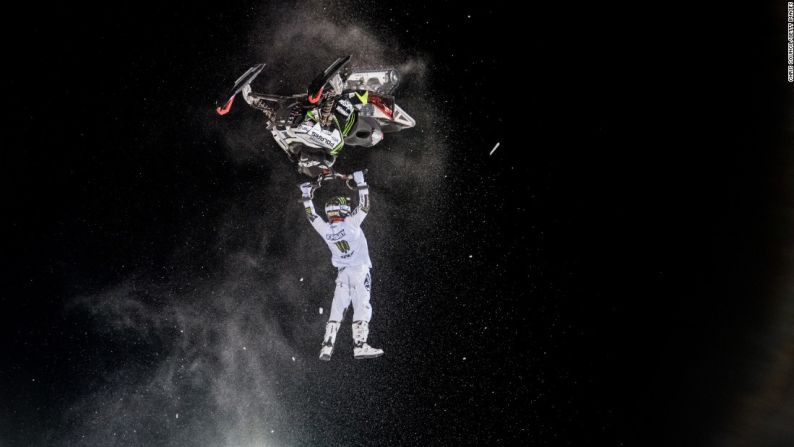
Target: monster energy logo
343,246
349,125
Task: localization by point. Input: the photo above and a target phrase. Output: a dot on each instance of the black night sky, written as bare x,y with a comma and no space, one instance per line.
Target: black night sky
617,272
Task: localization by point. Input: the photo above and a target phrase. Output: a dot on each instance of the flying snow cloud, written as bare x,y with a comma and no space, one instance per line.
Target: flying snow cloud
226,357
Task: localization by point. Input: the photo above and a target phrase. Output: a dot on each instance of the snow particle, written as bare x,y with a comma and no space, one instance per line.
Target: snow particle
293,359
244,348
321,311
301,280
177,415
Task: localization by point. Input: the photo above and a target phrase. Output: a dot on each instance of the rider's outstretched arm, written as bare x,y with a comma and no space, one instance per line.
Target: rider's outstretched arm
308,205
361,211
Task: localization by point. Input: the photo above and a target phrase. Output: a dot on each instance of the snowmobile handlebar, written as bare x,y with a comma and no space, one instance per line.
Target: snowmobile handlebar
335,175
328,176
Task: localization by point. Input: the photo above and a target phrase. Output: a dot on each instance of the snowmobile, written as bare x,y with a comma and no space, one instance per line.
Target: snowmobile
342,107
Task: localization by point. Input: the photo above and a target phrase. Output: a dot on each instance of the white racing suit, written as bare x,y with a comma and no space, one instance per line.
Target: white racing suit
350,254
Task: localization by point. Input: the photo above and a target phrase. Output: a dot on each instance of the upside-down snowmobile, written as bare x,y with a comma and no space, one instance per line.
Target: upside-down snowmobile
342,107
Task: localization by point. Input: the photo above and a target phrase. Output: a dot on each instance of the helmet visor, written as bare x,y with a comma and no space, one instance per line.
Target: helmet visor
337,211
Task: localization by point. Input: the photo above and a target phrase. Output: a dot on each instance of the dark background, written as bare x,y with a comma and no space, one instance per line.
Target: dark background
626,234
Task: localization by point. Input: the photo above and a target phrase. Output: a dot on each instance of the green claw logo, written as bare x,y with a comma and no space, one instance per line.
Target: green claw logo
363,98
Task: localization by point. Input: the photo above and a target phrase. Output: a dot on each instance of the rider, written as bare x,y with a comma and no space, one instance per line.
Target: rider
311,138
349,253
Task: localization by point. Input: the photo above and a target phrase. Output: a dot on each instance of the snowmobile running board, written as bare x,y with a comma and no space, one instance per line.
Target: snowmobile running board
316,87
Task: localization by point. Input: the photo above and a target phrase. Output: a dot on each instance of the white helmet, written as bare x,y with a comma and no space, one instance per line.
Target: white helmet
337,207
